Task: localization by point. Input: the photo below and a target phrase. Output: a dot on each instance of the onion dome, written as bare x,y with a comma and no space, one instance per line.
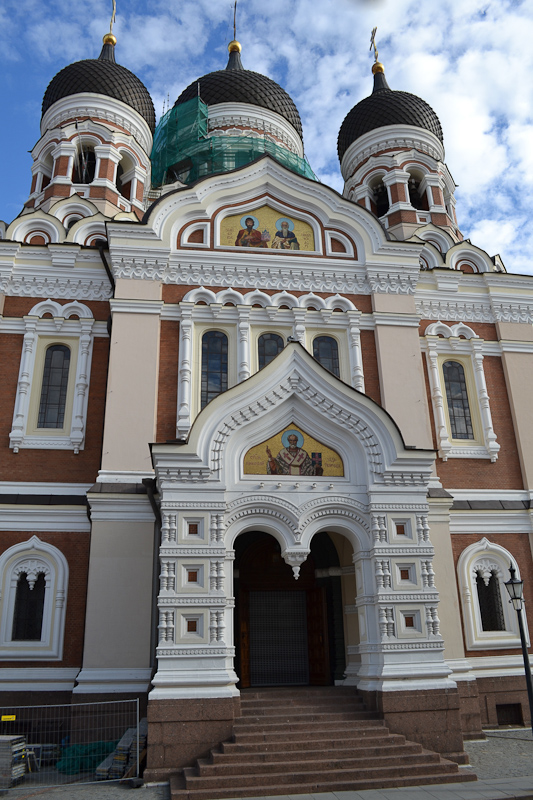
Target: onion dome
386,107
102,75
238,85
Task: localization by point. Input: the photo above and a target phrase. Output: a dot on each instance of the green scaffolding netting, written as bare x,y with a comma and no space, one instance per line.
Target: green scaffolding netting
182,150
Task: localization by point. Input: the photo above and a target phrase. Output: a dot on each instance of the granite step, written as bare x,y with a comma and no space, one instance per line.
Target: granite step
298,751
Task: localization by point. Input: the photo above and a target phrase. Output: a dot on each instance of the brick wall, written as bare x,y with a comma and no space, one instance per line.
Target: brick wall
167,396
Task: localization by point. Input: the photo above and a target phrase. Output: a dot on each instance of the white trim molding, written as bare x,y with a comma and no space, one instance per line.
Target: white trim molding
33,558
24,432
487,558
443,340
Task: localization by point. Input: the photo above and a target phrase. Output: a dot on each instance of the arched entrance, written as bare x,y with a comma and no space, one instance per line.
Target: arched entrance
287,631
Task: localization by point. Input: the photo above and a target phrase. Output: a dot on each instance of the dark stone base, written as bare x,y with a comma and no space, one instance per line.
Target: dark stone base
431,718
502,691
469,710
180,731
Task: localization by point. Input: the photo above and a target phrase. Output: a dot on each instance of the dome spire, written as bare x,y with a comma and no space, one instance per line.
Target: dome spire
110,40
234,47
378,70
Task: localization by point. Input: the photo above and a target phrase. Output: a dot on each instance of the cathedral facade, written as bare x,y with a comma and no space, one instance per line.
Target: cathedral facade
255,432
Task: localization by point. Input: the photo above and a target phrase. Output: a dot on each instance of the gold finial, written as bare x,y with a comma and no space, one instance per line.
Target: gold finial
376,66
110,38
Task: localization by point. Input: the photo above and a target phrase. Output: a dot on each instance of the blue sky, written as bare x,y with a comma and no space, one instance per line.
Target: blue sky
471,60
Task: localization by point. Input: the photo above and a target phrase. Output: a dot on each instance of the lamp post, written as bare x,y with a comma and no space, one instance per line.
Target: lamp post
516,589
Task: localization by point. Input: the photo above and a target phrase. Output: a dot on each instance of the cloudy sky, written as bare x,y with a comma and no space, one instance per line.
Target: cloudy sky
471,60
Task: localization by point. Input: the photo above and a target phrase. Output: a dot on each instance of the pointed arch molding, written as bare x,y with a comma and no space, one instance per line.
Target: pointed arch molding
293,388
486,557
34,557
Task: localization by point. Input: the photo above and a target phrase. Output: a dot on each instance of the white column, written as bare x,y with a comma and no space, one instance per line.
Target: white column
438,399
185,371
486,419
77,434
356,356
243,343
24,384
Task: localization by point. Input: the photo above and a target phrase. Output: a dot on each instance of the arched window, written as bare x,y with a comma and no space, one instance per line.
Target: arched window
268,347
490,601
379,198
33,597
214,365
29,607
84,166
326,352
457,397
490,622
54,387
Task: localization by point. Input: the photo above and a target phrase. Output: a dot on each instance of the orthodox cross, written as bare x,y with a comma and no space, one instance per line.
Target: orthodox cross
235,20
373,44
113,16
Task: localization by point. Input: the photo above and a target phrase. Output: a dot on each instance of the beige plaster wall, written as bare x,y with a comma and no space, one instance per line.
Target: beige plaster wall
401,376
119,596
518,370
131,404
445,580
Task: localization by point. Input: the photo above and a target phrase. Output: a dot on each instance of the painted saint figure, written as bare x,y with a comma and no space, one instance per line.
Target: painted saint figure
285,239
249,237
291,460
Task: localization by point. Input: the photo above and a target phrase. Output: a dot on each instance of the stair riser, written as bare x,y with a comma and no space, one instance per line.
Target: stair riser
319,787
232,782
306,736
318,766
278,745
273,711
260,756
316,724
291,716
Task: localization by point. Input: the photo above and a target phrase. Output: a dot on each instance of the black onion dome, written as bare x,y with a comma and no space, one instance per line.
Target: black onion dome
386,107
238,85
102,75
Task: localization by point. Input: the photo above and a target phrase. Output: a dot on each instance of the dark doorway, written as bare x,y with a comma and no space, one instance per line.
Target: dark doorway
286,630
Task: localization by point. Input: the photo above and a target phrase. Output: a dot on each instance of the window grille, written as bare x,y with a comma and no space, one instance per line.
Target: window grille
29,607
490,603
326,352
268,347
54,387
214,365
457,397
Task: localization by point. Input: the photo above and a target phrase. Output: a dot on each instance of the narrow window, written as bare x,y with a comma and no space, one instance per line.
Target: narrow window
54,387
214,365
326,352
490,603
457,397
268,347
29,606
84,166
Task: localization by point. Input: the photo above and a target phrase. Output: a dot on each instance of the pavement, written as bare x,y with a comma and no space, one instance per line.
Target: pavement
503,763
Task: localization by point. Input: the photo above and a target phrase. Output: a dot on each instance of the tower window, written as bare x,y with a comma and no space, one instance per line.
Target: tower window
490,602
457,397
84,166
417,198
29,607
214,365
54,387
326,352
268,347
380,198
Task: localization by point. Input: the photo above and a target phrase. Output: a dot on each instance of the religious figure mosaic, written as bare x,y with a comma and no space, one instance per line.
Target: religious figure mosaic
266,229
293,452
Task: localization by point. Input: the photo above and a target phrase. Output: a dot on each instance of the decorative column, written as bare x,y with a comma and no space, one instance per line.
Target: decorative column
24,383
356,356
298,330
438,399
486,419
185,371
82,384
243,343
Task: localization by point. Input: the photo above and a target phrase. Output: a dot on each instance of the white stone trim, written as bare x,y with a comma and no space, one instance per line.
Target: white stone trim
98,106
79,372
41,679
390,137
112,681
435,346
34,556
487,556
247,116
44,519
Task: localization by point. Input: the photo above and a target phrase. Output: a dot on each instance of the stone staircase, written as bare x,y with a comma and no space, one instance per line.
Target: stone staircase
303,740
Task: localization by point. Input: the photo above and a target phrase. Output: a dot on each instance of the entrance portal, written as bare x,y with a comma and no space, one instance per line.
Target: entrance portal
287,631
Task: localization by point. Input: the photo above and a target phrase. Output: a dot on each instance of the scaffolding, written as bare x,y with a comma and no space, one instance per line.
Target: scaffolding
183,151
